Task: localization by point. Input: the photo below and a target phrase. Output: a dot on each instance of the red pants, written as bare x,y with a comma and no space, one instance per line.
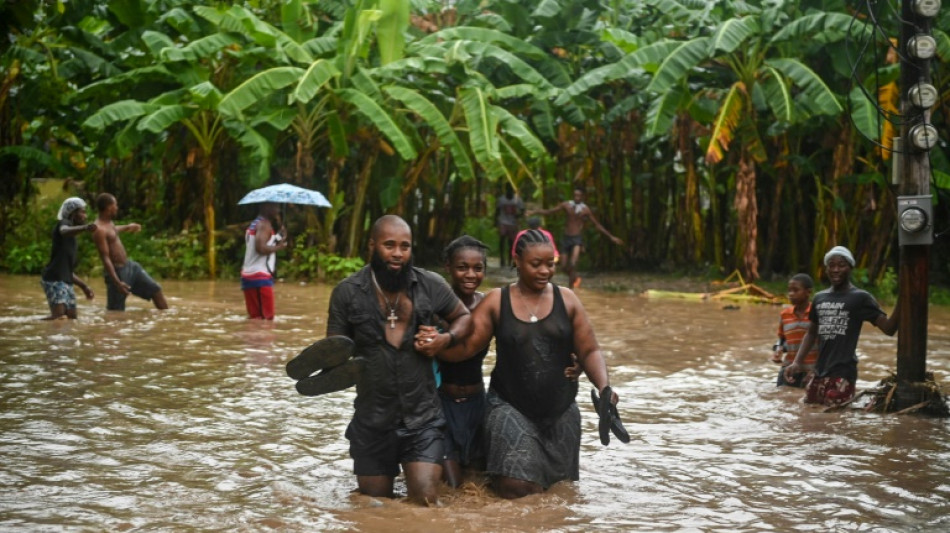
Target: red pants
829,391
260,302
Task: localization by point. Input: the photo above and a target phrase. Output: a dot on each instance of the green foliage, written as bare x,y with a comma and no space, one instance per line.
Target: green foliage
314,262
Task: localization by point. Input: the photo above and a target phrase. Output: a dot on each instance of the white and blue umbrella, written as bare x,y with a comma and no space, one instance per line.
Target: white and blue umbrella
285,193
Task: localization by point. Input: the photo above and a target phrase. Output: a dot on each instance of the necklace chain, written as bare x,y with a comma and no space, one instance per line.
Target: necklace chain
524,302
392,318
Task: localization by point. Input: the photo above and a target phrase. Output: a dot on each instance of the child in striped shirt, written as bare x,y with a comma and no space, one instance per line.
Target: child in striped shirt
792,326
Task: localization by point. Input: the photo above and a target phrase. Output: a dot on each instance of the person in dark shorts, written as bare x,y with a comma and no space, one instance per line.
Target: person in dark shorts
533,424
58,276
398,418
836,315
578,214
123,276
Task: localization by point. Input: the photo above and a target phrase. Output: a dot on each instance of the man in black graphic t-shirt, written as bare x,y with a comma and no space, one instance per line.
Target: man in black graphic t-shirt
837,314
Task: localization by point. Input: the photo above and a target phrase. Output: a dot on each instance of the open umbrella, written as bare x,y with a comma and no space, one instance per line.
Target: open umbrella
285,193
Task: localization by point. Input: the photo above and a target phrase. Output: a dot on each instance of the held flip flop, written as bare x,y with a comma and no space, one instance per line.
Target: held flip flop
609,417
332,379
325,353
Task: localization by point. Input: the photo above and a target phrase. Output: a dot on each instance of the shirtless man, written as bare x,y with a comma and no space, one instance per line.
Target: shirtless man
578,214
123,276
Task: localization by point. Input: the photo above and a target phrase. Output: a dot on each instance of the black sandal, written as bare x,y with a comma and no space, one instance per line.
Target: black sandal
326,353
609,417
332,379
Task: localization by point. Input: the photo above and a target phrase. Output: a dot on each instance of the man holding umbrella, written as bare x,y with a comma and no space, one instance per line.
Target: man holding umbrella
263,238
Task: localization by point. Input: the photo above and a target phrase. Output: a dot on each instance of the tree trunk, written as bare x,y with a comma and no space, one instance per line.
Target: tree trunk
354,233
207,178
747,213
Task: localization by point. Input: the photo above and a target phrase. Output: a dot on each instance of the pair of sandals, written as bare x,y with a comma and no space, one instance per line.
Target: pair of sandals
333,358
609,417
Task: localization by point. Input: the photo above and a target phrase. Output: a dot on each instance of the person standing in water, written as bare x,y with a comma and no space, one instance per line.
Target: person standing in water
533,424
398,418
578,214
793,323
123,276
836,317
262,241
59,274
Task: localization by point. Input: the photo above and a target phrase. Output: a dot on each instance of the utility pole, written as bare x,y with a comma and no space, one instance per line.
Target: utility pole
914,202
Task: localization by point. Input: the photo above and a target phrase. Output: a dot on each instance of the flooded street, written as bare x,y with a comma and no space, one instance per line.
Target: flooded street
185,420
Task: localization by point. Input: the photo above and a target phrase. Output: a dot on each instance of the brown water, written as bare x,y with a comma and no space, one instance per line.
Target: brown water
185,420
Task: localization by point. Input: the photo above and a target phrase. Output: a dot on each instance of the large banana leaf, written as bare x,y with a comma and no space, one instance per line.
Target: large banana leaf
484,35
547,9
517,66
678,63
144,75
295,19
162,118
732,33
516,129
778,95
631,66
815,92
259,87
421,106
319,73
726,123
663,110
865,115
482,126
120,111
943,45
205,95
825,28
199,49
156,42
373,112
393,22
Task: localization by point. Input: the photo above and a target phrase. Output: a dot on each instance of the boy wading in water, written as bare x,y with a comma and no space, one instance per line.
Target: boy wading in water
123,276
836,317
58,276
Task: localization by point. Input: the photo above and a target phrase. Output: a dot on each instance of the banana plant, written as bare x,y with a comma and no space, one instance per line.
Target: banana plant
193,103
745,68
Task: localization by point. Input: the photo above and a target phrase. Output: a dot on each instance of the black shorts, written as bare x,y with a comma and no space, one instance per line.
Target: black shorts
571,241
380,452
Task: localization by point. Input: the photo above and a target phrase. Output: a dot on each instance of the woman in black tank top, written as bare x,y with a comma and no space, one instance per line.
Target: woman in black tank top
533,424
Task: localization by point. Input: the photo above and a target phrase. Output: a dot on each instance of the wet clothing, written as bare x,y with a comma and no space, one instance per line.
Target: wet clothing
378,452
830,391
532,427
64,256
571,241
141,284
259,302
258,269
467,372
791,332
463,427
520,448
397,385
839,316
532,356
59,292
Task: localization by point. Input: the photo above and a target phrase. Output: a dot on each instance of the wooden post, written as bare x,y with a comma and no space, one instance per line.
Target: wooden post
914,179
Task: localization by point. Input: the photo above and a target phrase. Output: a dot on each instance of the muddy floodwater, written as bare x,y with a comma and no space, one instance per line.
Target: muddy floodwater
185,421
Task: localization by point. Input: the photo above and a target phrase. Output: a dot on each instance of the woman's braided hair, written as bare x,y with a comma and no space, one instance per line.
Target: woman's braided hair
531,237
462,243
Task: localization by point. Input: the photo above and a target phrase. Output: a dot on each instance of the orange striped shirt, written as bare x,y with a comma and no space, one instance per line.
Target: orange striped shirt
791,331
